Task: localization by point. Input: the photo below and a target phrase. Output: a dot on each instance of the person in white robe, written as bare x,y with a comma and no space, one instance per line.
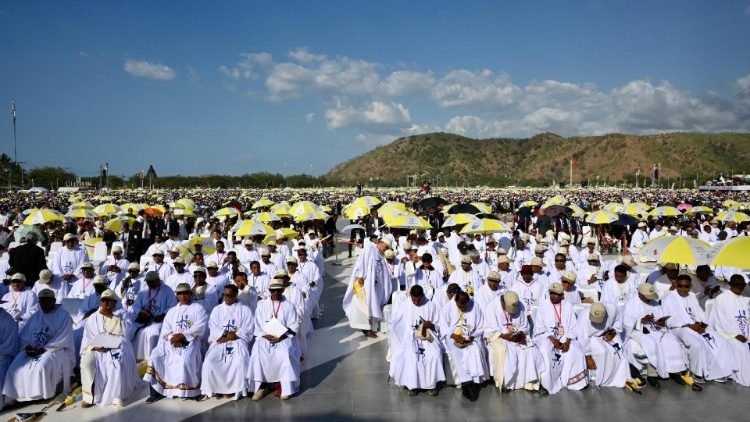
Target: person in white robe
275,357
466,277
108,374
620,288
83,285
46,355
68,260
429,277
48,280
417,361
174,366
247,254
126,288
601,338
369,289
157,264
266,266
214,277
258,281
730,317
507,274
464,340
115,266
515,361
555,332
245,293
314,278
204,294
709,355
653,350
180,274
8,346
20,302
147,315
225,366
639,238
489,291
529,290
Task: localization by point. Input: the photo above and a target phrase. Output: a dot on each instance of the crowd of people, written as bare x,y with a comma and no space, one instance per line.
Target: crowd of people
188,304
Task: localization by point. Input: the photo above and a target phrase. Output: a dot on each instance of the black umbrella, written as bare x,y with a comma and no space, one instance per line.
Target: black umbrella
464,208
432,202
555,210
625,220
490,216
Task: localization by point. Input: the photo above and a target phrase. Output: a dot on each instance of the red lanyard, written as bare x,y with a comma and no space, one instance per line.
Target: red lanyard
275,311
558,315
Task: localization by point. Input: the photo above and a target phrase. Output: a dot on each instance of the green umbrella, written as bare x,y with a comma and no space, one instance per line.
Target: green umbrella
25,229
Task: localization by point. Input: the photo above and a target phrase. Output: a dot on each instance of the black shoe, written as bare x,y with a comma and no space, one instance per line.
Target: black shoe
677,378
466,390
474,391
654,382
504,390
433,393
153,398
543,391
411,393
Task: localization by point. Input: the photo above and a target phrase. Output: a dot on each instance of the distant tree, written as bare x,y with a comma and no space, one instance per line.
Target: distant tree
10,172
49,177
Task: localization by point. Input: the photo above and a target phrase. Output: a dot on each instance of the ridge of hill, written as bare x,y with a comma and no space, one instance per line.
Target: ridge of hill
546,157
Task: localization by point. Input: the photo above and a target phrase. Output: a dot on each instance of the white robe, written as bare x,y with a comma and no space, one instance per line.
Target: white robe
430,280
176,278
145,338
37,378
8,346
730,317
468,281
176,371
658,347
57,285
20,305
522,363
564,369
709,355
279,362
611,357
69,261
529,294
225,365
115,377
373,268
470,362
81,288
484,296
416,363
259,284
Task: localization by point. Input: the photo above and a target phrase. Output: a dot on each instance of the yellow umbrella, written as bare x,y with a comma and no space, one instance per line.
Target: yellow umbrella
614,207
311,215
736,216
665,211
207,245
389,214
484,226
286,232
134,207
354,212
326,209
116,224
107,209
301,207
484,208
368,201
600,217
227,212
676,250
458,219
733,253
410,222
577,211
393,204
82,213
555,200
252,228
700,209
81,205
635,209
187,203
88,245
731,204
266,217
42,216
528,204
281,209
262,203
185,212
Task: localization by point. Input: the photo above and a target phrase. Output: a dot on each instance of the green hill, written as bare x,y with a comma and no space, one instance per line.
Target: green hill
546,157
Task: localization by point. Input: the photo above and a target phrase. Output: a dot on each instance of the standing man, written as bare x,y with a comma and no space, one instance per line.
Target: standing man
369,289
28,259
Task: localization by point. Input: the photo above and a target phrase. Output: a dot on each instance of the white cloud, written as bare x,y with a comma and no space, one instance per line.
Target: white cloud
467,88
309,117
145,69
405,82
474,126
248,67
377,116
192,75
304,56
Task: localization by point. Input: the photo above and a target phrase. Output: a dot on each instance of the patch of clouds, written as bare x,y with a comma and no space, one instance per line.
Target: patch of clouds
149,70
309,117
377,116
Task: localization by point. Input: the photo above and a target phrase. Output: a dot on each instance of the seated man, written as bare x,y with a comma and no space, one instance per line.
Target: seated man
600,336
463,338
653,350
515,361
230,334
148,312
555,332
275,358
730,317
8,345
54,282
20,302
709,355
108,375
174,367
417,362
47,353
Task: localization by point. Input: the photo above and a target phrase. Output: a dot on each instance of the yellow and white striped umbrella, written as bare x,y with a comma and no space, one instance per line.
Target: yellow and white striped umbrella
700,209
116,224
733,253
736,216
676,250
301,207
732,204
528,204
484,226
133,206
266,217
81,205
252,228
286,232
614,207
227,212
369,201
354,212
281,209
577,211
410,222
388,214
600,217
458,219
665,211
311,215
635,209
185,212
43,215
107,209
484,208
555,200
187,203
262,203
82,213
393,204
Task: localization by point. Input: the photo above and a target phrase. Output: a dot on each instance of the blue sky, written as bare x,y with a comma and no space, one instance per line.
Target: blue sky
234,87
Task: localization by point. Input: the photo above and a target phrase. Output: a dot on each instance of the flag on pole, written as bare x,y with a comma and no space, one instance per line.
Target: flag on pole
574,163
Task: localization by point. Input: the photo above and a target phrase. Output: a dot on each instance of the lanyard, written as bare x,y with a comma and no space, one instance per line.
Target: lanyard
276,310
152,299
558,315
